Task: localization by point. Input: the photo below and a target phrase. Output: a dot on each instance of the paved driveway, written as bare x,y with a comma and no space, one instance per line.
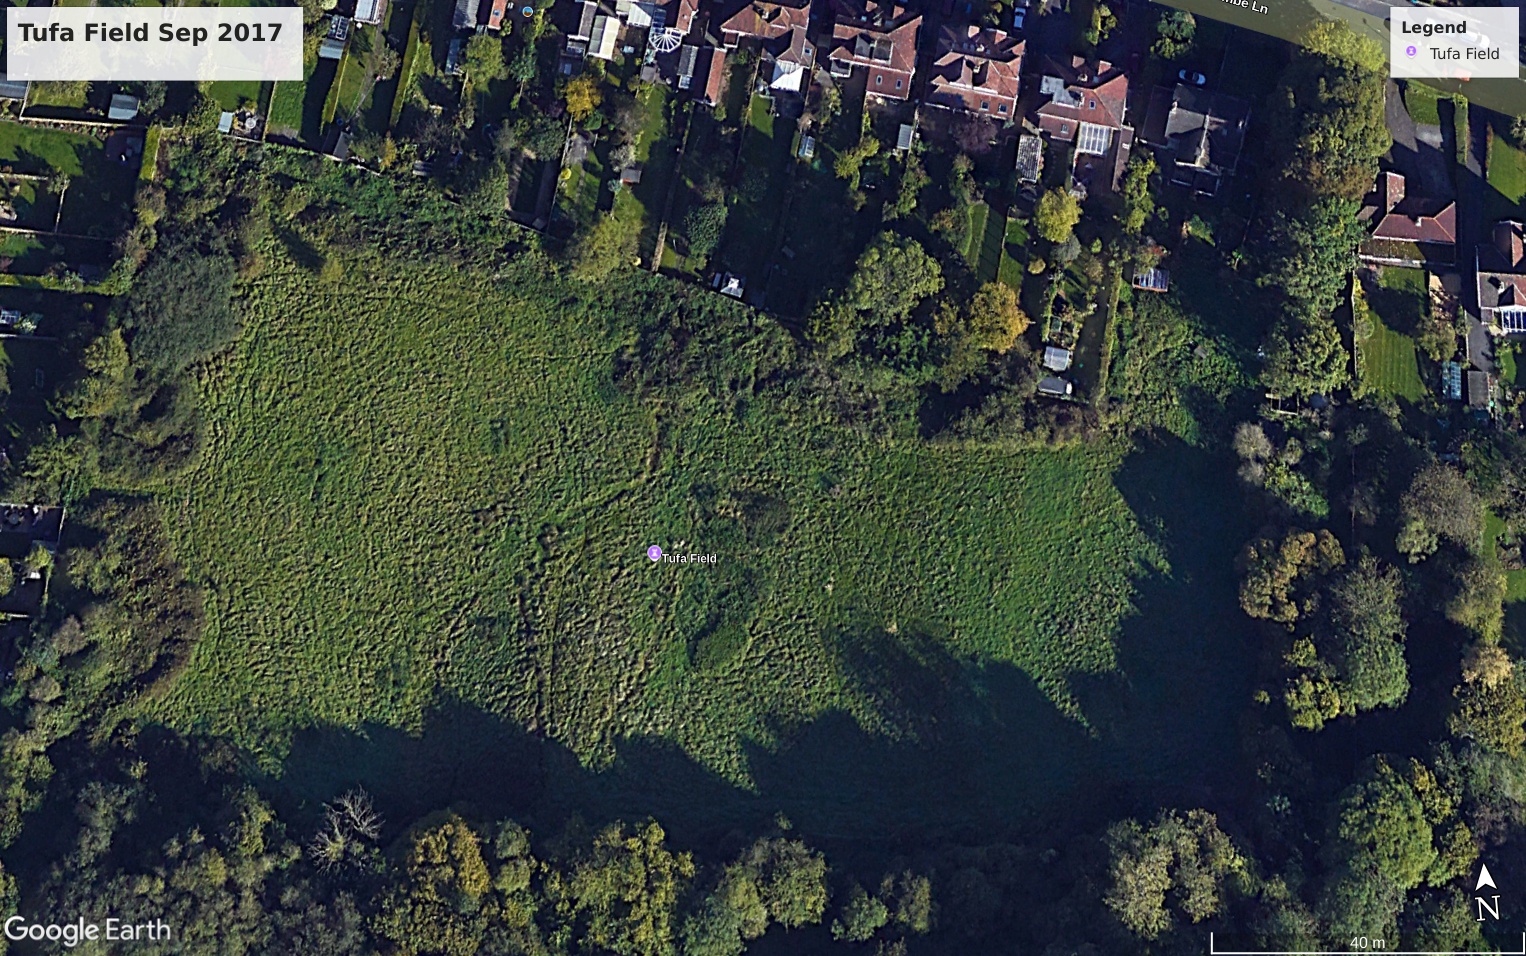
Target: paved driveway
1418,149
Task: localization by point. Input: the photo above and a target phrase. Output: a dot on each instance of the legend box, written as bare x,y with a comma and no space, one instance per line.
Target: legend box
1454,43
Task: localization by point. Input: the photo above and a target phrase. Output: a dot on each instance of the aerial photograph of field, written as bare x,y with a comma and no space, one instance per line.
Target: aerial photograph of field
793,476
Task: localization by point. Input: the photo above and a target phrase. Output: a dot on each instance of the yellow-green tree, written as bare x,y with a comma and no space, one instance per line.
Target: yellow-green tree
583,96
1057,214
623,895
995,321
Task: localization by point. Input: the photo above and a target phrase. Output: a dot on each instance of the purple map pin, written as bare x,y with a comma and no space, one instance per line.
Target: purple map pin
654,552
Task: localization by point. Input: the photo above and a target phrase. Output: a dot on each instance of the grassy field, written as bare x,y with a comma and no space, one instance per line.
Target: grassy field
1420,100
752,228
37,150
423,493
1390,365
100,190
987,239
232,94
656,154
1014,254
1390,362
1507,174
296,109
975,239
62,95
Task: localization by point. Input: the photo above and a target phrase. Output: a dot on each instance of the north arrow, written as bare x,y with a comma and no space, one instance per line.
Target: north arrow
1484,879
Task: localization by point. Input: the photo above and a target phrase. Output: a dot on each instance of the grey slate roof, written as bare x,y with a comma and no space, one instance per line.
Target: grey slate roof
123,107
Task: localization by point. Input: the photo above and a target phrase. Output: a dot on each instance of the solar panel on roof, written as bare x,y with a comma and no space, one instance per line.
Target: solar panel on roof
1512,320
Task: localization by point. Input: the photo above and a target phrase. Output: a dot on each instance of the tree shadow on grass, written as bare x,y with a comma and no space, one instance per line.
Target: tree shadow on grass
942,743
1185,659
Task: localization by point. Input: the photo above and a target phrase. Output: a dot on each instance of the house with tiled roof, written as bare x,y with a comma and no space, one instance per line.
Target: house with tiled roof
1500,267
879,37
715,77
976,70
680,15
1083,103
1407,229
1198,135
781,32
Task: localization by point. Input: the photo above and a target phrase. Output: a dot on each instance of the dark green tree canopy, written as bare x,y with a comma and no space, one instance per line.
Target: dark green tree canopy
180,310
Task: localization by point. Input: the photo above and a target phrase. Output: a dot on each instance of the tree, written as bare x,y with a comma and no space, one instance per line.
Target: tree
1174,32
624,892
892,279
180,309
1101,24
1311,695
851,160
1057,214
1279,575
151,97
860,917
1479,601
483,59
608,245
382,60
105,386
909,898
1311,253
526,64
913,179
792,881
1439,505
1307,357
1251,443
1328,114
583,96
1491,708
1368,628
1175,862
440,907
994,319
1381,825
729,916
703,226
1138,204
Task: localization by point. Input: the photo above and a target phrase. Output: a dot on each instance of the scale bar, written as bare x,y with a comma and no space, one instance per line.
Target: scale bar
1364,952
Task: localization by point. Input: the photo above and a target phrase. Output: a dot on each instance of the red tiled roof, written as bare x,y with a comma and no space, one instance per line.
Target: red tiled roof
766,20
1402,217
716,77
1412,225
976,70
888,52
1093,96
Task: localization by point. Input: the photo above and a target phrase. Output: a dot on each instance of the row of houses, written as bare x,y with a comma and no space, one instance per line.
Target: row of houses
1409,230
958,67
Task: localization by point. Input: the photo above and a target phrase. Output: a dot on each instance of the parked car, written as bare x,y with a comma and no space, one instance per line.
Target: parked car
1017,18
1196,79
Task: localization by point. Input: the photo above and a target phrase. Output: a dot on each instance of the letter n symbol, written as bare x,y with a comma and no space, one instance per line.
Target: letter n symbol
1483,904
